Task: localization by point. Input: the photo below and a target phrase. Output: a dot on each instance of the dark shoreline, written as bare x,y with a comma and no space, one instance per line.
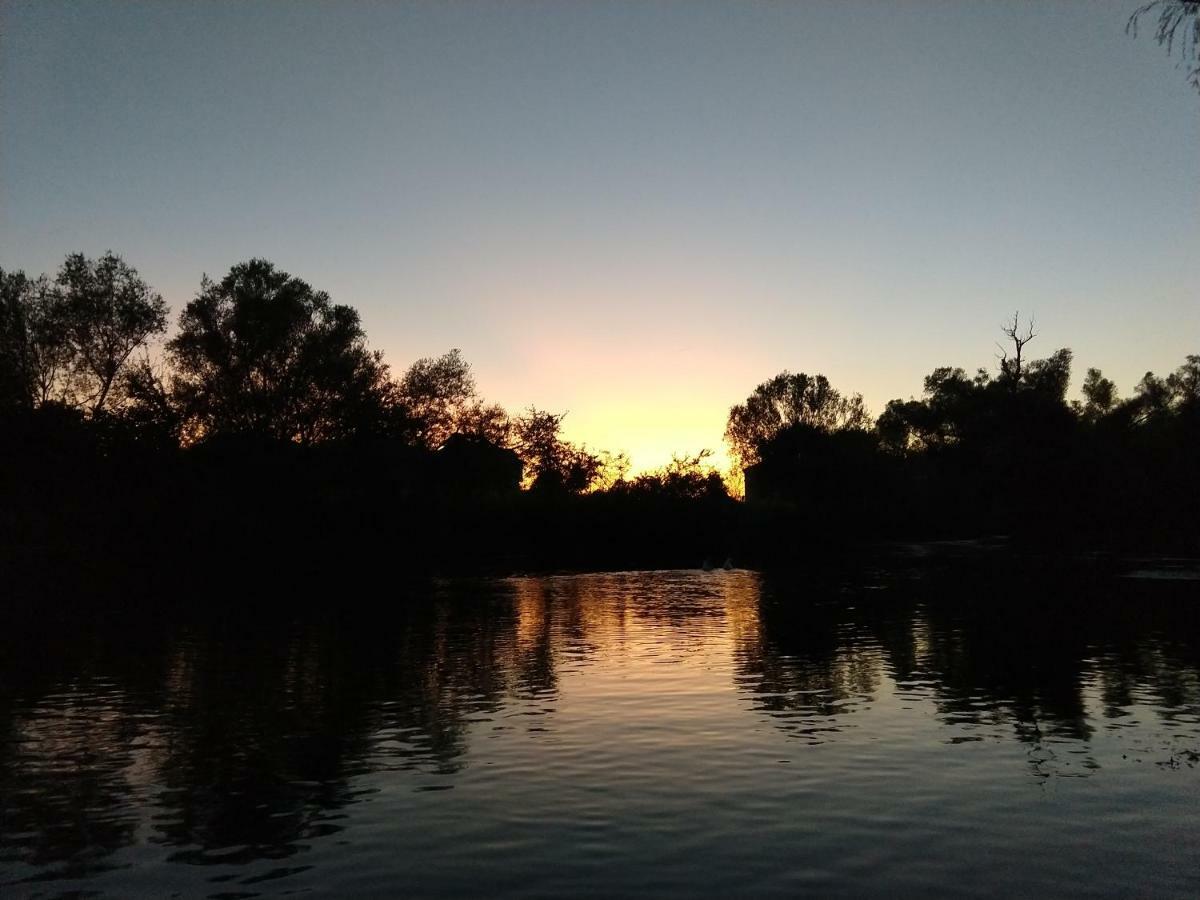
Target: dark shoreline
303,565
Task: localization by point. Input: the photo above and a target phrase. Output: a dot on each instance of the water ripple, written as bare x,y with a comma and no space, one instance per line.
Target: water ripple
632,734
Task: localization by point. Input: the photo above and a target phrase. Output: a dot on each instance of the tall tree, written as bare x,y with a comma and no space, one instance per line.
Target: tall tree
261,352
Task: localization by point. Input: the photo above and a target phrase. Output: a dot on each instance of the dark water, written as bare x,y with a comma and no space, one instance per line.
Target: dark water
969,732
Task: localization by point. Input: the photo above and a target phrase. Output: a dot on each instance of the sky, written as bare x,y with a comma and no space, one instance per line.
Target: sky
631,212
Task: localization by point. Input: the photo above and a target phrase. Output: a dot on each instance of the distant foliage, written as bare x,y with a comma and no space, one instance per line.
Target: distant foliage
984,453
614,471
683,478
1158,399
553,464
956,407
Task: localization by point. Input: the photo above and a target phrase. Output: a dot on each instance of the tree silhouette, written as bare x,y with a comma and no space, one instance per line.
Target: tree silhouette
1050,377
787,400
690,477
150,405
1011,368
1184,383
980,411
108,313
485,421
952,408
1158,399
261,352
13,329
553,464
1151,399
97,430
34,354
436,394
1099,396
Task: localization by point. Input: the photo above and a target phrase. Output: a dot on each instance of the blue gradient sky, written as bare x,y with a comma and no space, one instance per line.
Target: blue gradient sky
631,211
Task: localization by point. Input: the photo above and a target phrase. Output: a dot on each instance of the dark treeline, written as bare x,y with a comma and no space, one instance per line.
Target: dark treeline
265,438
1004,453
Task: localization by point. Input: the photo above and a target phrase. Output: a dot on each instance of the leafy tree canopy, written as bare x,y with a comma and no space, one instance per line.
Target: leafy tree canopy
437,396
788,400
261,352
108,312
69,341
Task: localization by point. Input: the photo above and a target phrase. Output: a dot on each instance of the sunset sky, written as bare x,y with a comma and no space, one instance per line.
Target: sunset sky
633,212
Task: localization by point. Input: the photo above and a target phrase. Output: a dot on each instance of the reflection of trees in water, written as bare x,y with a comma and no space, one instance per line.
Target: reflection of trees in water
1019,653
236,738
1164,671
807,658
259,735
72,750
210,741
1033,657
64,784
996,668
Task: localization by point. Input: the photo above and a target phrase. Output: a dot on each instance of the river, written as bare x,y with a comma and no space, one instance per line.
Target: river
656,734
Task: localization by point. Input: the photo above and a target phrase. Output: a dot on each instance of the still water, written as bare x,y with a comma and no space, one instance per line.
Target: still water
640,734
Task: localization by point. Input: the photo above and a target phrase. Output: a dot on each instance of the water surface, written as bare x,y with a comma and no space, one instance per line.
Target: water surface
641,734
